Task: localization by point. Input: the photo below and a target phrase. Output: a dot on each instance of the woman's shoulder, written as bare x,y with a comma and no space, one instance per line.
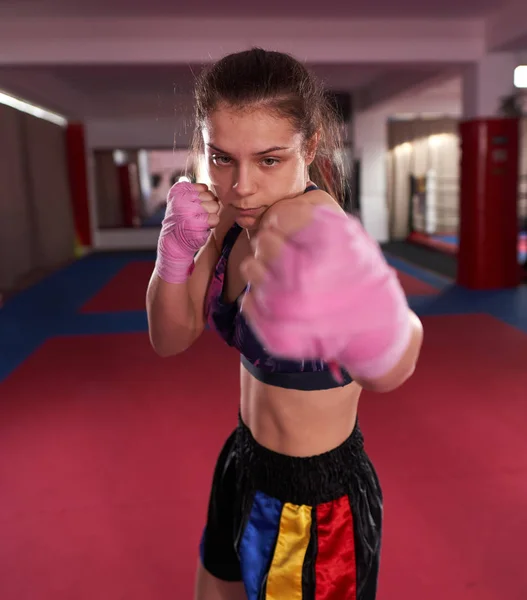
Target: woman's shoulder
318,197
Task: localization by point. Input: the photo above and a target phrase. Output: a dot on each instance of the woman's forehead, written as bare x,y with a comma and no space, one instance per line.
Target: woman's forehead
249,130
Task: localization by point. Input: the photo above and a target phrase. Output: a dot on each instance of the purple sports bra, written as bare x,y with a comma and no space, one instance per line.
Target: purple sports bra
226,318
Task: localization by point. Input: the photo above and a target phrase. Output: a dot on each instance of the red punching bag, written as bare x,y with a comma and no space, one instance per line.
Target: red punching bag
488,231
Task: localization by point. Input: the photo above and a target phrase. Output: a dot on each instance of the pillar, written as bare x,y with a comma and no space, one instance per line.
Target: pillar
370,146
78,179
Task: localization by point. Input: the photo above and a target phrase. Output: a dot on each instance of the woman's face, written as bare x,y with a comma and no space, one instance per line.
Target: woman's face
254,159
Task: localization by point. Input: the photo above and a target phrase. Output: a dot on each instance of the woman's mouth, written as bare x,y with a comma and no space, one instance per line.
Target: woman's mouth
248,211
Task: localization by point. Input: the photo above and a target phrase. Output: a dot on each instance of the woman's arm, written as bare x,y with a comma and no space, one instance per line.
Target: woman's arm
405,367
373,334
176,311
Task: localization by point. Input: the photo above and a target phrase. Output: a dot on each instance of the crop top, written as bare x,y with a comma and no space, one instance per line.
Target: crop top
226,318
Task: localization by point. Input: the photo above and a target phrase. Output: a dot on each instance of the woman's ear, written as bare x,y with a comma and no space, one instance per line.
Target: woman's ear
311,147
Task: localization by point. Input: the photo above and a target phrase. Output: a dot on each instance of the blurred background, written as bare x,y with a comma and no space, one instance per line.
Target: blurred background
96,432
122,81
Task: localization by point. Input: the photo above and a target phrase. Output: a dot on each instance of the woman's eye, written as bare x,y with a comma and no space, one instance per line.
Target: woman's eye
270,162
221,160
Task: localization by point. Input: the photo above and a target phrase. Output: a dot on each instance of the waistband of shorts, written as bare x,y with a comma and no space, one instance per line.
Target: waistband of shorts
308,480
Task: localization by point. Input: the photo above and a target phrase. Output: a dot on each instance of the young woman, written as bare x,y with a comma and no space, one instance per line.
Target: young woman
298,288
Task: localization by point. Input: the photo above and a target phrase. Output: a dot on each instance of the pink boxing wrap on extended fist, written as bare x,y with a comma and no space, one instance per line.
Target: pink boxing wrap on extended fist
331,295
183,232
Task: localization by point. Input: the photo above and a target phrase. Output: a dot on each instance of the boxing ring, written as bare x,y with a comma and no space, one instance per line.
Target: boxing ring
434,213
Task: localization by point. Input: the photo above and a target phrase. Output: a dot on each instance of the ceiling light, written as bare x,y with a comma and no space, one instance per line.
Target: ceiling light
31,109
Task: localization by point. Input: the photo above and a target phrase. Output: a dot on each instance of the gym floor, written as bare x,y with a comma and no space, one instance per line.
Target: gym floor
107,451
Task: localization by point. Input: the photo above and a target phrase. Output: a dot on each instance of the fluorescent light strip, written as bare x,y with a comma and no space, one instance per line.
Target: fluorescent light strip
31,109
520,76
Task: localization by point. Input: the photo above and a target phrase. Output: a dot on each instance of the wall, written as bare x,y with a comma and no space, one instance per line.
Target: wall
155,133
17,254
37,231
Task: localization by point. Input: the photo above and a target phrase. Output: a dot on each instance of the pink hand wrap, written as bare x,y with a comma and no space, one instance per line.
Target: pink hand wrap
331,295
183,232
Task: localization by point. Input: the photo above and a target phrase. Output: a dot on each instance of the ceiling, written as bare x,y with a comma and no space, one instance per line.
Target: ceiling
109,91
156,90
270,8
179,79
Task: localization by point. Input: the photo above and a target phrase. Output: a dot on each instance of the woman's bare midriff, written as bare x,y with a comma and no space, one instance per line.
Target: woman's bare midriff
294,422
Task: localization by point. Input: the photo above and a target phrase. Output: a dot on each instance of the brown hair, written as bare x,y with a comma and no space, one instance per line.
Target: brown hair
280,83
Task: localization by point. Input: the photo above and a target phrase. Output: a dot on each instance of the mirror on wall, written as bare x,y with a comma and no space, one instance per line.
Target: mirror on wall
131,185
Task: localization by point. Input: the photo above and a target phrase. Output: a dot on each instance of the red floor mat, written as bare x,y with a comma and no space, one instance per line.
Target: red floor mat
451,451
415,287
125,291
426,240
106,456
